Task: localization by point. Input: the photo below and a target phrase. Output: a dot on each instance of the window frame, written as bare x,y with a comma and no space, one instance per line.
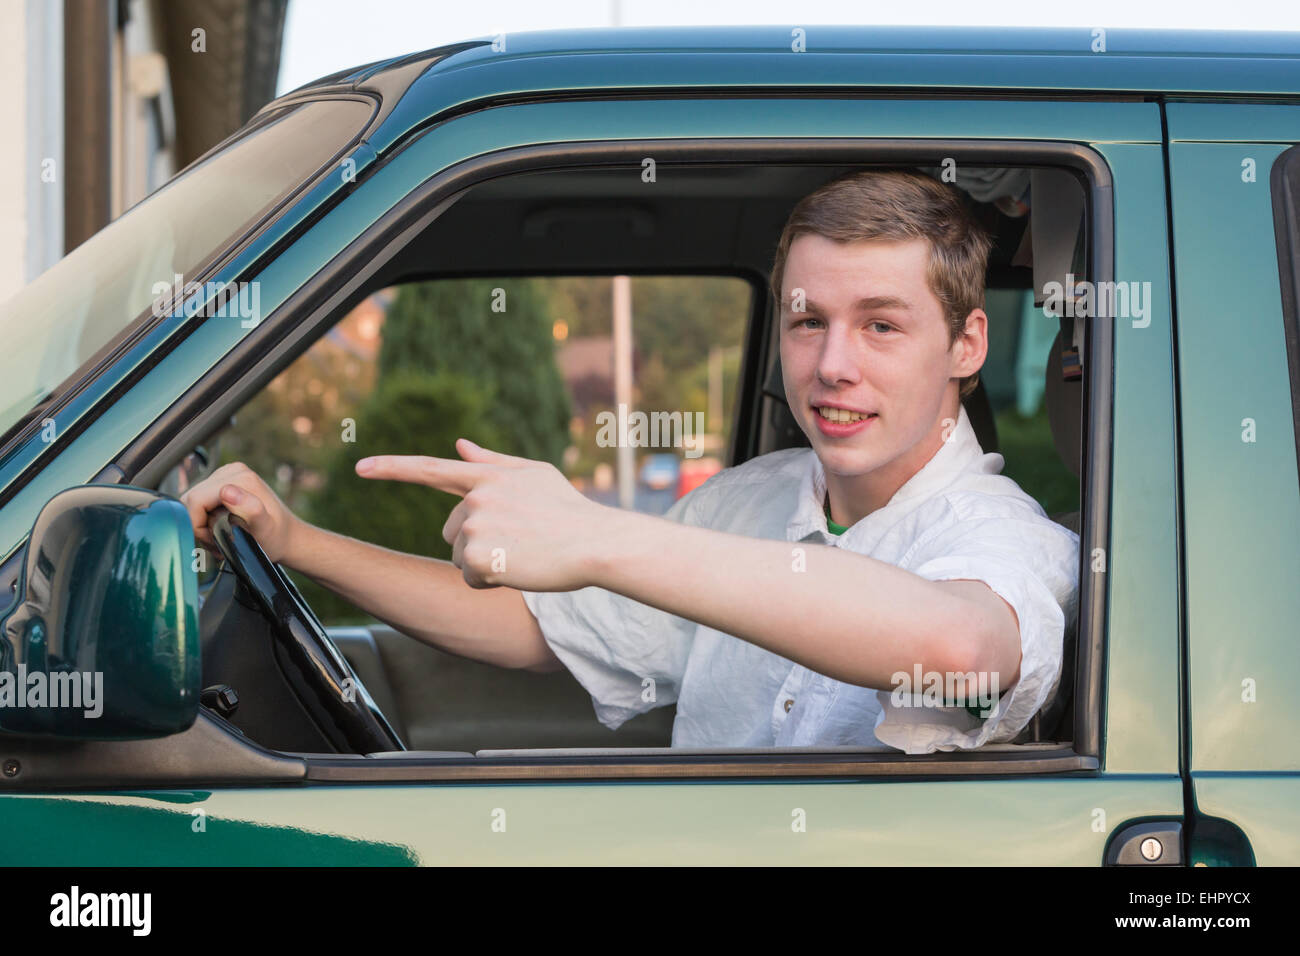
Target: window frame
351,275
1284,185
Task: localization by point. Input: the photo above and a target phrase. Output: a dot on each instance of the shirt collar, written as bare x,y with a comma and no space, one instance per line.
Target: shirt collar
960,452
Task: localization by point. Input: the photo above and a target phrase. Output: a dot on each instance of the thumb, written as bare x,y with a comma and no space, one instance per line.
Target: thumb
243,505
472,452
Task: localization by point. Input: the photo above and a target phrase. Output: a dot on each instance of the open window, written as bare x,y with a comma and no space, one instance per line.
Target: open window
560,232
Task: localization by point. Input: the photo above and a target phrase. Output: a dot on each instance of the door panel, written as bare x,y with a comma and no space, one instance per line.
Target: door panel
965,823
1241,493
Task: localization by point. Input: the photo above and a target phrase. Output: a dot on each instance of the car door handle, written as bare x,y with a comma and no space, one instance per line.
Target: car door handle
1158,843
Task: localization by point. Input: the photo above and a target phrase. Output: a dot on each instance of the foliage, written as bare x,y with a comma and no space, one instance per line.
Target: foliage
287,430
1031,459
408,413
450,326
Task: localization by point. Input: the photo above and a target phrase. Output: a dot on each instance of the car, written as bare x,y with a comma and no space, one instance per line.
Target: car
660,471
1144,191
695,472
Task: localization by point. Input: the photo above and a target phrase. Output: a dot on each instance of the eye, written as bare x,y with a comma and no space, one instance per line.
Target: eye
881,327
803,323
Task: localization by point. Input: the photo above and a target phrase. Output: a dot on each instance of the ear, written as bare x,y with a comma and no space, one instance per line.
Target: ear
971,348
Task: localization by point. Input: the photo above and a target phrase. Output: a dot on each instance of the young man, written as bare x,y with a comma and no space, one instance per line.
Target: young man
886,585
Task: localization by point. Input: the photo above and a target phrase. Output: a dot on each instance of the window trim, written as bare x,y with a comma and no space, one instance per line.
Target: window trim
1284,184
351,275
211,753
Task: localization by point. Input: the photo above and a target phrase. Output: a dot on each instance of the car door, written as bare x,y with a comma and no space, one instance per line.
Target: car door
1234,222
1064,805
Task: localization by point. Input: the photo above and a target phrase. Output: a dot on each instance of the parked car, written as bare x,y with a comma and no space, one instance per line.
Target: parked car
695,472
1160,165
660,471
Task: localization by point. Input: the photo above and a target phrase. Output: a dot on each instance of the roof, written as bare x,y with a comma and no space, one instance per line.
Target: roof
993,60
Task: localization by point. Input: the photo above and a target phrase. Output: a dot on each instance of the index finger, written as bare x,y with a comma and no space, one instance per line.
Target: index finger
445,474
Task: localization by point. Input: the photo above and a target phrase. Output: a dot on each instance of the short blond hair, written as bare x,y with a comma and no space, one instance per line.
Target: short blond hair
901,205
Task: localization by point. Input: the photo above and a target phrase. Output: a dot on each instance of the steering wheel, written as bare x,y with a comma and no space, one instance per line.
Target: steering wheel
318,674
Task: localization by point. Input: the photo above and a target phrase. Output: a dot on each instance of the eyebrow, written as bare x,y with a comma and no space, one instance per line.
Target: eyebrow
870,302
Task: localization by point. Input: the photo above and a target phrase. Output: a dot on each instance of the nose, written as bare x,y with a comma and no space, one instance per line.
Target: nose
838,363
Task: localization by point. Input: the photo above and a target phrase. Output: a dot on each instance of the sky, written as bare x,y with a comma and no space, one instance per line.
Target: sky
325,36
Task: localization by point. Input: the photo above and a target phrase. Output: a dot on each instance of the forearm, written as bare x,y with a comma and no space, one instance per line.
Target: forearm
841,614
425,598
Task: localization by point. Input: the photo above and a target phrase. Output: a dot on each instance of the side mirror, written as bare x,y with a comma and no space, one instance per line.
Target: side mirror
102,641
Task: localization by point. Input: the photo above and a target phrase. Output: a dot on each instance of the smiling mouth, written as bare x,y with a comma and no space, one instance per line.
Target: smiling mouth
841,416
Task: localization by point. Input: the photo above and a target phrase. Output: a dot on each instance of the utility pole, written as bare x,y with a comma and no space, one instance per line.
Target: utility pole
625,463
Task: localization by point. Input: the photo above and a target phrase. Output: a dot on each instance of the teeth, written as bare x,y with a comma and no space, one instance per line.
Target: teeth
840,415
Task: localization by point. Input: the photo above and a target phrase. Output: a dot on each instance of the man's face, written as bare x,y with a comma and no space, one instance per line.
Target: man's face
872,340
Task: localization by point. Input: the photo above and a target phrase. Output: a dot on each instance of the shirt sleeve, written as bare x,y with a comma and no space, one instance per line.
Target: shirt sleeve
1032,563
629,656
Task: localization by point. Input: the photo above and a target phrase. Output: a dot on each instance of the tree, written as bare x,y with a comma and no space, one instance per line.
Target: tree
496,333
408,413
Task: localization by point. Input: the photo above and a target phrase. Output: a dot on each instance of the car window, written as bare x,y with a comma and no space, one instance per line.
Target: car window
528,367
62,319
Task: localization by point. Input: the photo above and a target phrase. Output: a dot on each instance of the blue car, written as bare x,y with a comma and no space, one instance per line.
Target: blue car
660,471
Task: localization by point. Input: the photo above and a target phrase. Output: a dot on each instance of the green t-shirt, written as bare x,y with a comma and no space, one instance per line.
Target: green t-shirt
834,528
831,526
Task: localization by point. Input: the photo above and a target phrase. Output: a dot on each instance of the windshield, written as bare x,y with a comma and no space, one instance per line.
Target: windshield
59,322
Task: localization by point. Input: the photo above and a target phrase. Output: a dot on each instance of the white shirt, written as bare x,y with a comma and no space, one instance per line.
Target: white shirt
956,518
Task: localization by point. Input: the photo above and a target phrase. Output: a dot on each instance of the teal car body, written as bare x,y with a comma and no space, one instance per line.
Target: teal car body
1197,726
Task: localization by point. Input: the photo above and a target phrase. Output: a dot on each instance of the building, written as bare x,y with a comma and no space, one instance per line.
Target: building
108,99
